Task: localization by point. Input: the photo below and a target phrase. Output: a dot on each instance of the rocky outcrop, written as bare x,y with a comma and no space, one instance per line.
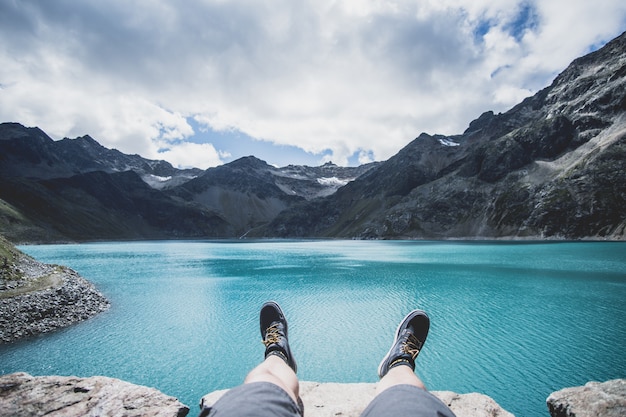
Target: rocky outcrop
37,298
22,395
594,399
349,400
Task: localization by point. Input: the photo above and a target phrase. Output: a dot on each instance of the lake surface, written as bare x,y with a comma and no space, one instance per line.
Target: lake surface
515,321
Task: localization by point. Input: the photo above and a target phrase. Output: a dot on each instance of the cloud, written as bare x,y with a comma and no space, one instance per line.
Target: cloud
332,77
191,155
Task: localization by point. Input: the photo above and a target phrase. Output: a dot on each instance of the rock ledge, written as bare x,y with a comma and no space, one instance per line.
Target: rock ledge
606,399
23,395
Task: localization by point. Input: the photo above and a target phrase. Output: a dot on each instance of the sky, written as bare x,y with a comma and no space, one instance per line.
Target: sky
200,83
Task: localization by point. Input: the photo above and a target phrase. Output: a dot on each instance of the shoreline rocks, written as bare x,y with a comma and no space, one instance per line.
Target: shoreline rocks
47,310
37,298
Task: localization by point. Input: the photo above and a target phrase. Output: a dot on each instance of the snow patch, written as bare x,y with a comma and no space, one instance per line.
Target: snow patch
332,181
448,142
161,179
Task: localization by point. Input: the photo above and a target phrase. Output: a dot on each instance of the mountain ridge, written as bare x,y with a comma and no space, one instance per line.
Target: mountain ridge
551,167
76,189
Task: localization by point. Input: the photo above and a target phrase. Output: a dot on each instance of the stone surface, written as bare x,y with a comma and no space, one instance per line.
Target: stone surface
594,399
349,400
23,395
472,404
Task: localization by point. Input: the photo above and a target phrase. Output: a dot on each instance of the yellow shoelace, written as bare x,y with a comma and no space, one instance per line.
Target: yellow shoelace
271,335
412,346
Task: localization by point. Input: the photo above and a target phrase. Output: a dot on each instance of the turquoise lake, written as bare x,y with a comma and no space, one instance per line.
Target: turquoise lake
515,321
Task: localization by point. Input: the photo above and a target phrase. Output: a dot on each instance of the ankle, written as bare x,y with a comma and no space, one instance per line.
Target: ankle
278,353
402,362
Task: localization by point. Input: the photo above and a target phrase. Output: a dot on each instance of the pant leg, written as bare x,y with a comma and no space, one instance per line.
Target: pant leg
257,399
406,401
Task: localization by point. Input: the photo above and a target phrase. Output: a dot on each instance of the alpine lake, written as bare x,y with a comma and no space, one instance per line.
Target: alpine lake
512,320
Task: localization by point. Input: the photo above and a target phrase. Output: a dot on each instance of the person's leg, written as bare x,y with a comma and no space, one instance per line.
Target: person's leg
400,392
279,366
274,369
399,375
271,388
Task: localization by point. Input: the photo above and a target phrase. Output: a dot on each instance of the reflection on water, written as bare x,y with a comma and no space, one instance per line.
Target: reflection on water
513,321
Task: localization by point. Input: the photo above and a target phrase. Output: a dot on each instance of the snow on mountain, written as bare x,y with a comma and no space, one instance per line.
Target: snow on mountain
333,181
448,142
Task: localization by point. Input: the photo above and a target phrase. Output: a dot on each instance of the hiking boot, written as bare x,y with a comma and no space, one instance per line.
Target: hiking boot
410,338
274,333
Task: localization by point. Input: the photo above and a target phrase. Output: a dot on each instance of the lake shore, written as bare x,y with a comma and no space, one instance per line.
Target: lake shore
38,298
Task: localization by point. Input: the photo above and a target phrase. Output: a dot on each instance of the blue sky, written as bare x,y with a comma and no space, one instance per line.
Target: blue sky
203,82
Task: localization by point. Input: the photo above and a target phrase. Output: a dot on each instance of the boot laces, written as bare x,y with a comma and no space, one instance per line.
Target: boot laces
412,346
272,335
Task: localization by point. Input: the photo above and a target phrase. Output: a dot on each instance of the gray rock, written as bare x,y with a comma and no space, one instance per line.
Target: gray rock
349,400
23,395
38,298
594,399
69,300
472,404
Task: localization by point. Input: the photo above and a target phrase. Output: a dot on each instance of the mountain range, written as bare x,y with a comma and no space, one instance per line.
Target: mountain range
554,166
77,190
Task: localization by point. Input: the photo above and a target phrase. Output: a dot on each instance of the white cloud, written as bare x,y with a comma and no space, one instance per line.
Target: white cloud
351,76
191,155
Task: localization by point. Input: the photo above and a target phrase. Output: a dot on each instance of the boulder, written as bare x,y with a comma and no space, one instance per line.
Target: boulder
594,399
23,395
349,400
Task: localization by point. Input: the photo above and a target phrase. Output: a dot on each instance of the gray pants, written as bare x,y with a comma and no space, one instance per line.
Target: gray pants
264,399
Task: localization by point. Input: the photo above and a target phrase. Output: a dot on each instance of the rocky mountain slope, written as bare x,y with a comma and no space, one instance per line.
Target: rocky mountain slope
248,193
76,189
553,166
29,152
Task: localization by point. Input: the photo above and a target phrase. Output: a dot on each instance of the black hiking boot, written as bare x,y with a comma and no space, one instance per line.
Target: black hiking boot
274,333
410,338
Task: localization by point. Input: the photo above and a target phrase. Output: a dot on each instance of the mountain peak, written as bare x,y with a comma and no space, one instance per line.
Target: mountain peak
552,166
248,162
12,130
